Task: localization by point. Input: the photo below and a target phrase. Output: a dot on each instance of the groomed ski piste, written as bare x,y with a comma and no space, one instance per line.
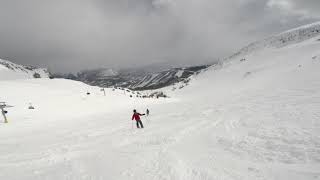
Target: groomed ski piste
255,116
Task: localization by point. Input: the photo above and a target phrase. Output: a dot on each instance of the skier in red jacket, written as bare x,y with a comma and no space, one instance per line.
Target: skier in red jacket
136,116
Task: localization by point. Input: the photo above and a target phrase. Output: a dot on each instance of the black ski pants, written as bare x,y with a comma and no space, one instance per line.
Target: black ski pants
139,122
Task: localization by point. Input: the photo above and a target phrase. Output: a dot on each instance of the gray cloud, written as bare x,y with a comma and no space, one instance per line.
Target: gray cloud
74,35
303,8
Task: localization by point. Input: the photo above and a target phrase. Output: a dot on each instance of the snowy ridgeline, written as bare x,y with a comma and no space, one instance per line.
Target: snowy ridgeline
283,39
11,71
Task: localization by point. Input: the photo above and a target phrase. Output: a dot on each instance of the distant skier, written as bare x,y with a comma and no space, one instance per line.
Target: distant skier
147,112
136,116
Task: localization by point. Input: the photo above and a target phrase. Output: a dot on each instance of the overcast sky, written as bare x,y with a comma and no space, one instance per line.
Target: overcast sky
71,35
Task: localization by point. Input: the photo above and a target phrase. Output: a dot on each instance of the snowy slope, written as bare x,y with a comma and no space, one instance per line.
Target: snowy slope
251,119
9,71
283,39
278,41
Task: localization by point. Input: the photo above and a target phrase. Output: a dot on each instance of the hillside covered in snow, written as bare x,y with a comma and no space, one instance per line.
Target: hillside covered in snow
254,116
10,71
292,36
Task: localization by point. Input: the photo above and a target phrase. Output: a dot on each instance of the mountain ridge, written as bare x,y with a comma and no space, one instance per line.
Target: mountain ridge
282,39
11,71
135,79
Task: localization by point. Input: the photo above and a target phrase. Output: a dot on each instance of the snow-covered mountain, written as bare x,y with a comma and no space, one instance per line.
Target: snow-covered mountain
10,71
167,77
252,117
283,39
136,79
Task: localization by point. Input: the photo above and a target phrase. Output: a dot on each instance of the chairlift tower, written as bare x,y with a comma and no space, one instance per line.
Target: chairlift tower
3,111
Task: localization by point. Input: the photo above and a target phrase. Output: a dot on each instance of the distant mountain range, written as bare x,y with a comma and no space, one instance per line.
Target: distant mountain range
135,79
146,78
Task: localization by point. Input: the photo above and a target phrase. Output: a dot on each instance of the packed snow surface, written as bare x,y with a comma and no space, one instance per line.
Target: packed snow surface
256,118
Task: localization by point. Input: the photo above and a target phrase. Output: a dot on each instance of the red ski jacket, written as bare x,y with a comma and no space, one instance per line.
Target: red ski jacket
136,116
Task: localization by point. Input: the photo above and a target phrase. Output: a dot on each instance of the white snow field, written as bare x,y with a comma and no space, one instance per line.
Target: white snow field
257,118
